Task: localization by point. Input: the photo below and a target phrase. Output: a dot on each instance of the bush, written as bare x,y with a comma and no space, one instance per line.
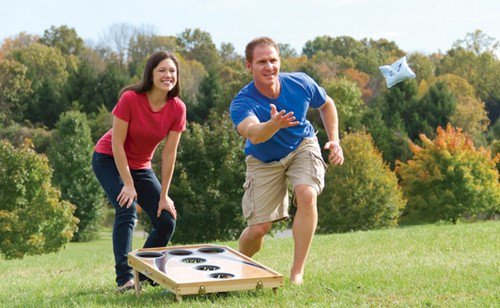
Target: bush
70,153
33,218
207,184
362,193
449,178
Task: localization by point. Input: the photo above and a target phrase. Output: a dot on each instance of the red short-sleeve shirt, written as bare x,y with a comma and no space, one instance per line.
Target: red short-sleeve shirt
146,128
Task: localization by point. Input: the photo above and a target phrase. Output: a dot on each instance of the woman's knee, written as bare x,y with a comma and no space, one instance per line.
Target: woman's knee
165,223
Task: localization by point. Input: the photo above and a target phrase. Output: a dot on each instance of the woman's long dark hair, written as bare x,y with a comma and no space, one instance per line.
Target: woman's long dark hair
147,78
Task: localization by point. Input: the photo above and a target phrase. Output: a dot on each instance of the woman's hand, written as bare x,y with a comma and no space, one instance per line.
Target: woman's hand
167,204
127,196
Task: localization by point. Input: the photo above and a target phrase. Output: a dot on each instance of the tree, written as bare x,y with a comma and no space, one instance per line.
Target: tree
209,93
198,45
449,179
361,194
70,152
478,42
347,97
287,51
64,38
433,110
207,183
117,37
141,46
227,52
110,82
385,120
480,70
15,88
48,73
33,218
344,46
422,66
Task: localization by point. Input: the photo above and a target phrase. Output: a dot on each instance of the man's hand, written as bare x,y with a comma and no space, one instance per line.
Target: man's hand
280,119
336,156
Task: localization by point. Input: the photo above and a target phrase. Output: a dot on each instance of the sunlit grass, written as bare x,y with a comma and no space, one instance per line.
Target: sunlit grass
431,265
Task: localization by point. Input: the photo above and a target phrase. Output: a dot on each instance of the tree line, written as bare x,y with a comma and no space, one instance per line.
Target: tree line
426,149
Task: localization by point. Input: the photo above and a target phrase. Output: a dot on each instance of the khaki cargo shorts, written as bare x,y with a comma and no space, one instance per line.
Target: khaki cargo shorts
266,185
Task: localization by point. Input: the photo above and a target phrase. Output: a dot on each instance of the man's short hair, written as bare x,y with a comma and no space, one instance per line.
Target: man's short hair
259,42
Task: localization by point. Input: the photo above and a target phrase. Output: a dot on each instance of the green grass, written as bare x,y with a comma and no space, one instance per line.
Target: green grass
431,265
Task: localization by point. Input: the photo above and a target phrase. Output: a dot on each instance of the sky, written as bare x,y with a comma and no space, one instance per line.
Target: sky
414,25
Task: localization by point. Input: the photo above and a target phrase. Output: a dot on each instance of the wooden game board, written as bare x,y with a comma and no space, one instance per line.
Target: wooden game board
200,269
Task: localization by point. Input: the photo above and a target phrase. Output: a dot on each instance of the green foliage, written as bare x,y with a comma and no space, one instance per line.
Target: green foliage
449,178
33,218
347,97
48,73
70,152
111,81
433,110
198,45
64,38
100,122
385,120
209,93
481,70
361,194
15,89
207,184
17,134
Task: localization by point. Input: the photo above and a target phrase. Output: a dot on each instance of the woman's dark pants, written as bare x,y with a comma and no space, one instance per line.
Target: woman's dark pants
148,195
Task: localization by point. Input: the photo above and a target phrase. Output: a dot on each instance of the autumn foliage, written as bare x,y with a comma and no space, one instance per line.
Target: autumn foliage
448,179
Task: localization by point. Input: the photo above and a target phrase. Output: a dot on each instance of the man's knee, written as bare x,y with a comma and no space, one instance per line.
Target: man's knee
305,195
259,230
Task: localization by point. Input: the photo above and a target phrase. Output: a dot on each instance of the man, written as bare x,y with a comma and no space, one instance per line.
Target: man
281,147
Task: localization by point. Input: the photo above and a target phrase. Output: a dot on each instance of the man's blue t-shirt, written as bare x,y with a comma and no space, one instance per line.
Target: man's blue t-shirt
298,93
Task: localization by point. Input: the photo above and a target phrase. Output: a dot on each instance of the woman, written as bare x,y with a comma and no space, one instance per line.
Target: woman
145,114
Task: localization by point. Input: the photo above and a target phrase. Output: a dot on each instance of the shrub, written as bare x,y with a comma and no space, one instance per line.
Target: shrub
362,193
207,184
449,178
70,153
33,218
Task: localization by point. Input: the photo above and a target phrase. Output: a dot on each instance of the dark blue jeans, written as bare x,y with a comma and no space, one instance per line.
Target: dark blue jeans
148,195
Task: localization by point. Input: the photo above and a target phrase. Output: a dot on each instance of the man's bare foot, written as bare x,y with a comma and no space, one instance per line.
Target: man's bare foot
296,279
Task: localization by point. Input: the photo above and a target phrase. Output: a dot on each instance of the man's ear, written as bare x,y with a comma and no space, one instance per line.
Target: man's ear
248,65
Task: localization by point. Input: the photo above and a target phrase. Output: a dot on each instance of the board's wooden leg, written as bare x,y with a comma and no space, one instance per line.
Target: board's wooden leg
178,298
137,283
275,291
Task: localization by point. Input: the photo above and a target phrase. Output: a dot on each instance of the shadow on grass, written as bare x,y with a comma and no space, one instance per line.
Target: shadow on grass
148,296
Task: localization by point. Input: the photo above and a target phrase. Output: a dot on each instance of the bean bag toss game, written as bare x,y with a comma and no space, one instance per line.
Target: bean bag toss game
201,269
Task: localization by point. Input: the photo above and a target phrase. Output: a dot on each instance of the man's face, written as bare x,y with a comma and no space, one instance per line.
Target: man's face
265,65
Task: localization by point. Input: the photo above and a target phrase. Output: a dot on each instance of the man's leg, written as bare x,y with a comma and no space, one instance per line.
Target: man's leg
252,238
304,226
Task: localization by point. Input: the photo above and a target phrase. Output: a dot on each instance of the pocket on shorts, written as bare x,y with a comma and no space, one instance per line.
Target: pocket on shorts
247,203
319,168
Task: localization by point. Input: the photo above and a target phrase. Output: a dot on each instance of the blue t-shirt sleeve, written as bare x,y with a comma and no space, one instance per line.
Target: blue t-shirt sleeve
240,110
318,94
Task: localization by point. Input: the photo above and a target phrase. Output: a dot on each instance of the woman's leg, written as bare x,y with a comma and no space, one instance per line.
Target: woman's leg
148,195
123,228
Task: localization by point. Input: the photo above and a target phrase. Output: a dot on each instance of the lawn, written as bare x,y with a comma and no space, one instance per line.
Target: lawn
430,265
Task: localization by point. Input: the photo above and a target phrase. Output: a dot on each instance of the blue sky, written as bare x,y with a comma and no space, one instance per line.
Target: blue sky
415,25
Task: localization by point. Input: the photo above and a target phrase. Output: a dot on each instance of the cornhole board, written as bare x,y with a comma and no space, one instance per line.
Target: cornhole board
201,269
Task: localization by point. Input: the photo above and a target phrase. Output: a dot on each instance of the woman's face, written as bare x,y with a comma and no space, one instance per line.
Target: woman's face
165,75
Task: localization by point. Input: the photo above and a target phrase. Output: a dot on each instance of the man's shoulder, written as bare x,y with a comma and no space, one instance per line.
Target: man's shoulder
295,77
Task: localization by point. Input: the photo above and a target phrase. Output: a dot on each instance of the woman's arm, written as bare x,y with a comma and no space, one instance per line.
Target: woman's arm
168,157
128,193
